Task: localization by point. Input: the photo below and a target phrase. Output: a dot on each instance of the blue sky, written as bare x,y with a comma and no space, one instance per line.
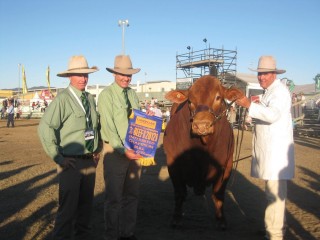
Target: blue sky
39,33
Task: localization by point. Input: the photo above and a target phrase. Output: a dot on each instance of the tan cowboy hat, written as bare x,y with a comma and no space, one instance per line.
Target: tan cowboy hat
267,64
78,65
123,65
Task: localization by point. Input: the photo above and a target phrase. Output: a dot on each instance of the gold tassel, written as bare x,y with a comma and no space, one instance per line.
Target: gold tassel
146,162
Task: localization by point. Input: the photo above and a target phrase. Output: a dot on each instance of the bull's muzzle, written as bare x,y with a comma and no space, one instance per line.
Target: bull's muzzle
202,124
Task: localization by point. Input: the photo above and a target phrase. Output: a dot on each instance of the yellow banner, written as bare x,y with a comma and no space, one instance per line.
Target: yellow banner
48,78
24,81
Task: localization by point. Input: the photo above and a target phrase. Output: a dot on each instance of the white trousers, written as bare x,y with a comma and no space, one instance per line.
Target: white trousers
276,194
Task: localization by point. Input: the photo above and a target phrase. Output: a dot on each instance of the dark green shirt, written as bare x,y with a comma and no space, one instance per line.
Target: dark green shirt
114,116
62,127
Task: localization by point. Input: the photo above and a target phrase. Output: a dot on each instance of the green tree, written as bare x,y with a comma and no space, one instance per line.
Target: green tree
317,81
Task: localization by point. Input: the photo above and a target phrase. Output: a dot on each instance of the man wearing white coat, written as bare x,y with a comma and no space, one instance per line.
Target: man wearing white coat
272,143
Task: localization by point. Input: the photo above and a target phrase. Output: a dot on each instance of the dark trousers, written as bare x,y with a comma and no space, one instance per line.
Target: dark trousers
76,193
10,120
122,182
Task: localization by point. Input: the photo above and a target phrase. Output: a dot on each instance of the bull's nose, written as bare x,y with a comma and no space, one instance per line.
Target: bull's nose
202,127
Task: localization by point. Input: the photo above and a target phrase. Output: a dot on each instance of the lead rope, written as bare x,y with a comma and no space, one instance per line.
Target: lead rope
229,144
238,147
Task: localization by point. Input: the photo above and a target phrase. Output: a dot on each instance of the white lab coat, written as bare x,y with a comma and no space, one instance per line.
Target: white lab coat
273,146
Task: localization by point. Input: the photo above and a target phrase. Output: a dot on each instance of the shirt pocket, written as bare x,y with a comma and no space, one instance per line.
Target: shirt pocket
79,120
119,108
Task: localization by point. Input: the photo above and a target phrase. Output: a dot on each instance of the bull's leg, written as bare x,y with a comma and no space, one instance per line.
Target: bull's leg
218,195
180,193
180,197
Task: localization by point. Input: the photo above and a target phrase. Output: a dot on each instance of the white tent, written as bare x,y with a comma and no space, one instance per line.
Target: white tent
36,98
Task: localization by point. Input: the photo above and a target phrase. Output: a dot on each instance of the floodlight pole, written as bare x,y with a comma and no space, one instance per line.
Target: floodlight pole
123,23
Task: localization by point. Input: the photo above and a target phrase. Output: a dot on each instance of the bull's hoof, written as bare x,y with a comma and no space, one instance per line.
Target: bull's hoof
221,225
176,221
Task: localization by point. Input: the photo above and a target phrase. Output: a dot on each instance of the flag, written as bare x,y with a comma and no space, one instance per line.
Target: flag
291,85
48,78
318,83
24,81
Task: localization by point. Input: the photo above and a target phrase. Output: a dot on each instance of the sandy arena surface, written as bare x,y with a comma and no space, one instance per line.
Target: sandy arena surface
29,192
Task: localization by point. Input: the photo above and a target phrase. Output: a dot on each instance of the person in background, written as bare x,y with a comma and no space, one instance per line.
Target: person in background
273,147
157,111
167,114
10,112
232,115
69,135
122,168
302,98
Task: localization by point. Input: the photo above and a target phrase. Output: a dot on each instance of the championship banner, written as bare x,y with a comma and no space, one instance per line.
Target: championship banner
143,136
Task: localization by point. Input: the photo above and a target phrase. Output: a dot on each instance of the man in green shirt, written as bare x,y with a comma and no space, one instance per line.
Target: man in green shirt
69,132
121,166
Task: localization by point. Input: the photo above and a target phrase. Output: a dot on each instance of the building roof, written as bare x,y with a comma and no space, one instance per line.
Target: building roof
306,88
247,77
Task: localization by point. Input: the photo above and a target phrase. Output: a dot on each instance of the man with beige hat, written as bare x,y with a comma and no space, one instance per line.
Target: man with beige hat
121,166
273,146
69,135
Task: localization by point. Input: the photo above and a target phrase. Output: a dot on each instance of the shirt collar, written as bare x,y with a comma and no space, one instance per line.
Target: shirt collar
76,91
118,89
273,85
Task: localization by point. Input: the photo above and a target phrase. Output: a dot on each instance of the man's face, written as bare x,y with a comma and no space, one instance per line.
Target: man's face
122,80
266,79
79,81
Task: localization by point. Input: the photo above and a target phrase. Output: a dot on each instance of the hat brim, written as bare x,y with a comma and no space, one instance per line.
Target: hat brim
124,71
76,71
278,71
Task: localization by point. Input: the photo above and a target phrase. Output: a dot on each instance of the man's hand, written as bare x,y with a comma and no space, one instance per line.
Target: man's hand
243,102
130,154
96,158
68,162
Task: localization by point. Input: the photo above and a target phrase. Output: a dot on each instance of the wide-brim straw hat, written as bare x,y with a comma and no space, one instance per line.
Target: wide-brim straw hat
77,65
123,65
267,64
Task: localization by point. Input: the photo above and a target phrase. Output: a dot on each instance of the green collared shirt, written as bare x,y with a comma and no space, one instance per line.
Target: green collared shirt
62,127
114,116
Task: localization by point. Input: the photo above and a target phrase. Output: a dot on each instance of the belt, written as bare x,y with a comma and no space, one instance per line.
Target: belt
85,156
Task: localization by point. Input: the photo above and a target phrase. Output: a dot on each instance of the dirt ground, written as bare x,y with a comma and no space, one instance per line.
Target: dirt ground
29,191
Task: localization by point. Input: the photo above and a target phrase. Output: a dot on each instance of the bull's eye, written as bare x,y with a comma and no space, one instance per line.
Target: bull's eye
218,98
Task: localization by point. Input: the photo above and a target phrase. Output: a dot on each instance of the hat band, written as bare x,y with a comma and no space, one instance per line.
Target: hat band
122,68
78,68
268,68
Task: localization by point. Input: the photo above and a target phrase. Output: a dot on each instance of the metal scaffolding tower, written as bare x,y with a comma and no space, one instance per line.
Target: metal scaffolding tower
210,61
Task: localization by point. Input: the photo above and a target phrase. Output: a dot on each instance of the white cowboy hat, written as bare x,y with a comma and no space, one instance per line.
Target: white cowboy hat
267,64
123,65
77,65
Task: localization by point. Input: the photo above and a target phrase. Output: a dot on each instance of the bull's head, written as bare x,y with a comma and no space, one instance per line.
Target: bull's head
206,99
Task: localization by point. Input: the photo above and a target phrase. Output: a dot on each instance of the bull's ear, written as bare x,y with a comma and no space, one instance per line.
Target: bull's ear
177,96
233,93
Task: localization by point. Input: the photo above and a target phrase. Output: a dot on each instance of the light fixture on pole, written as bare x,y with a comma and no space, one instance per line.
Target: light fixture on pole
189,48
123,23
205,41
